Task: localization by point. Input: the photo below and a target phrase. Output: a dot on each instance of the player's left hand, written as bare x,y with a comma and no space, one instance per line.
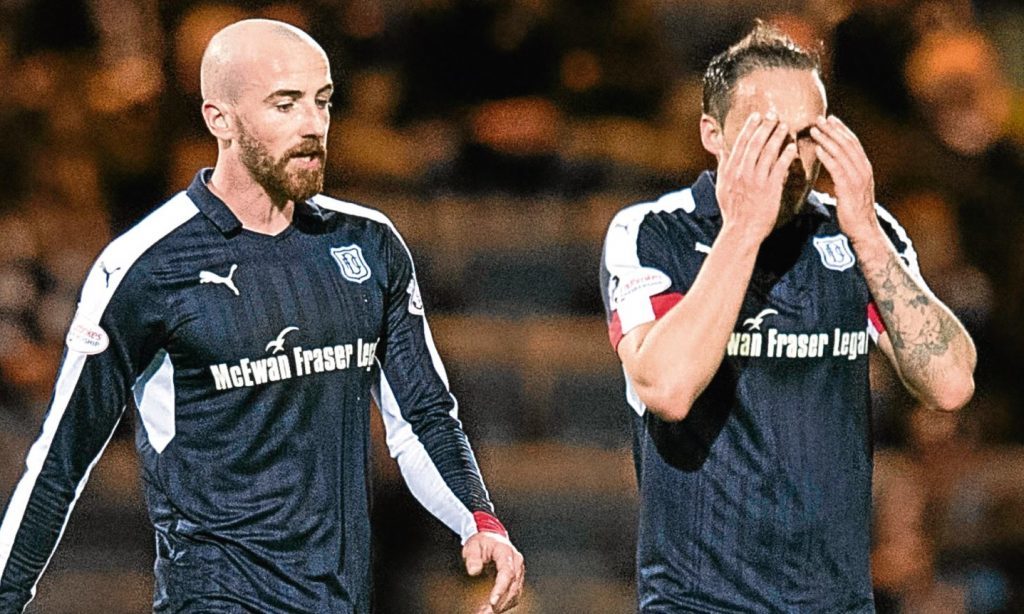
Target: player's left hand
842,154
485,547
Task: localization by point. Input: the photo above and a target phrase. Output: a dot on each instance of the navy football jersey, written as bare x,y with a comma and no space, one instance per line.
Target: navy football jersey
250,360
759,500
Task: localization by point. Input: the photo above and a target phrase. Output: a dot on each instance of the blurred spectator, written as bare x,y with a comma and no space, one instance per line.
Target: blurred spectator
961,91
188,32
655,155
938,517
460,53
869,47
1004,19
365,147
15,124
904,559
27,361
123,98
956,78
63,26
610,64
128,30
512,148
931,222
693,32
190,36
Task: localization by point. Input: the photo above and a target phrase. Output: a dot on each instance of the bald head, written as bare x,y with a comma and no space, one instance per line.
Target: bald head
266,90
242,49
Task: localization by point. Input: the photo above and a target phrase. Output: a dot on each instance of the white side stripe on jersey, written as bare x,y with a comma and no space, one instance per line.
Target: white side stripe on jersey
96,295
154,396
632,397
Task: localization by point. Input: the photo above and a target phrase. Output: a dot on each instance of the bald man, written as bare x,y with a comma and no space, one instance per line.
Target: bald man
248,321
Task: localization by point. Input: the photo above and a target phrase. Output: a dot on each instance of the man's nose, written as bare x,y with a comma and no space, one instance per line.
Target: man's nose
792,138
315,121
804,148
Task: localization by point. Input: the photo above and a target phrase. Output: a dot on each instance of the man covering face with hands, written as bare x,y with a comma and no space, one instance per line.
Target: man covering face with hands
743,309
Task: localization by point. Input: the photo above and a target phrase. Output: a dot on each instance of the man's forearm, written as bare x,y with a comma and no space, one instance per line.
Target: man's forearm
672,363
933,353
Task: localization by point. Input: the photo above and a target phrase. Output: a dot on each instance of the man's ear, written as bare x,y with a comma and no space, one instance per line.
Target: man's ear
219,120
712,135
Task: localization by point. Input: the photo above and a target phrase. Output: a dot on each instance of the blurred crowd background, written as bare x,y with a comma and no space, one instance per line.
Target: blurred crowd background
501,136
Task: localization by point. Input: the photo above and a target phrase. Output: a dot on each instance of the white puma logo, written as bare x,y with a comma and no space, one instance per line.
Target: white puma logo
755,322
278,344
206,277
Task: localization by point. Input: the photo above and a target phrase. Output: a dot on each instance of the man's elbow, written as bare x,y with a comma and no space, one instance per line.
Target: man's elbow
671,404
667,393
954,393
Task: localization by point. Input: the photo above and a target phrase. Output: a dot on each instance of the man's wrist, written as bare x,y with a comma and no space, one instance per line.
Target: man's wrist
865,236
739,239
489,523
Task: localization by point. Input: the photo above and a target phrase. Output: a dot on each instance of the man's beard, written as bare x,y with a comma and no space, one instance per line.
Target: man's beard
274,176
793,197
794,192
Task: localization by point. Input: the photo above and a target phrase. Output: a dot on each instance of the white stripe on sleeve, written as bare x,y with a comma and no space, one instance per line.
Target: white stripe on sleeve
623,262
97,292
420,474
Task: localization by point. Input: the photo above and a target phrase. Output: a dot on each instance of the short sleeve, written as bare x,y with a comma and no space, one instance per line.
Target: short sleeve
650,259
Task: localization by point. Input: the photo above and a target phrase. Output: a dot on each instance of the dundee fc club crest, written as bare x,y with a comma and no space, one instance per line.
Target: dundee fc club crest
353,265
835,252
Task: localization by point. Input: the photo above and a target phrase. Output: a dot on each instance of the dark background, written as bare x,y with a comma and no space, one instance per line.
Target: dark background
501,136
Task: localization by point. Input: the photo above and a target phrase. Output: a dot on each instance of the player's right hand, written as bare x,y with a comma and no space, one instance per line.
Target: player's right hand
751,176
485,547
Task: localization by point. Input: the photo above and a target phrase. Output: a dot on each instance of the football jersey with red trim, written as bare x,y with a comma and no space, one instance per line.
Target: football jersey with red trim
760,500
249,361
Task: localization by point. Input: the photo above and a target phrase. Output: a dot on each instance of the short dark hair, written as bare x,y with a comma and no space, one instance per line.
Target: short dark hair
765,47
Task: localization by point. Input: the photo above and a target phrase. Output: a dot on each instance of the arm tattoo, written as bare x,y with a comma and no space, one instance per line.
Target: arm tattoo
919,328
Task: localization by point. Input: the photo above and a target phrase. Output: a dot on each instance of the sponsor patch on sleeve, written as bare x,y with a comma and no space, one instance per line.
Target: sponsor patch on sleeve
86,338
643,282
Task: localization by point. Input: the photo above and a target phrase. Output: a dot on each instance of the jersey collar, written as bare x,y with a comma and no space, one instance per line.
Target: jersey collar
217,211
703,191
707,204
